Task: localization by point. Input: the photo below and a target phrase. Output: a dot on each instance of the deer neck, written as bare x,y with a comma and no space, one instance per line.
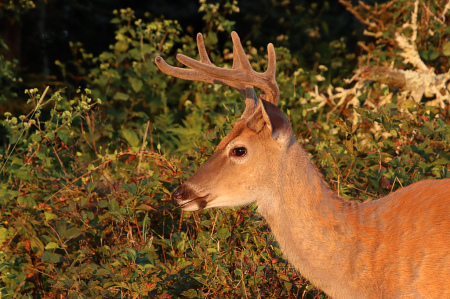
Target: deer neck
306,219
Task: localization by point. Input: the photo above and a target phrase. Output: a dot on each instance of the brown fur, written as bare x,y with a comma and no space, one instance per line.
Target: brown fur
394,247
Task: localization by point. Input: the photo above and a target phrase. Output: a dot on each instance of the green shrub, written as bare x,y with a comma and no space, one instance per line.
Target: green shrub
86,175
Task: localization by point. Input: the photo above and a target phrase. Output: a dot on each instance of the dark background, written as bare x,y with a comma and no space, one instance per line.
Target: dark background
38,37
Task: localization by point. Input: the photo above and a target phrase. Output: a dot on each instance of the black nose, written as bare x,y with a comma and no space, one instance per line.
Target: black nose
177,196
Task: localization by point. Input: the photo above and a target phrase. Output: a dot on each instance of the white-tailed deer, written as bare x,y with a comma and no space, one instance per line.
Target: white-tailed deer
395,247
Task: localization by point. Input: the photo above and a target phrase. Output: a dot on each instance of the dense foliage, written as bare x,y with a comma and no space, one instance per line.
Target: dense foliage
88,166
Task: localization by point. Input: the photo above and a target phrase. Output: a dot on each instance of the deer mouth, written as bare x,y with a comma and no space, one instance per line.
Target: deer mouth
195,204
189,199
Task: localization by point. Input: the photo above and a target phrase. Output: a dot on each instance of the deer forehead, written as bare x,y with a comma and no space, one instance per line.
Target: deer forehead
245,137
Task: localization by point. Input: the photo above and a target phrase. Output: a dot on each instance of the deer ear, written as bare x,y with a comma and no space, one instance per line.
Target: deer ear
268,115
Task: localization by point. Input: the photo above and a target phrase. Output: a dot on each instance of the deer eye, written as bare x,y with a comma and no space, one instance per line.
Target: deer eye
238,152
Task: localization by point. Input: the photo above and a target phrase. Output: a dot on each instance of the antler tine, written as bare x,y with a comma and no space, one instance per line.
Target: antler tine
181,73
245,90
249,93
240,53
243,72
194,75
272,64
271,91
236,61
251,100
202,49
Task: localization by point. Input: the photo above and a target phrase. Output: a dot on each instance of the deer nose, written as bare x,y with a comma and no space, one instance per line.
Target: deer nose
177,196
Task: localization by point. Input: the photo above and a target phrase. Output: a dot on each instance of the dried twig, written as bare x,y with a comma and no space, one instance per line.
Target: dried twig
415,83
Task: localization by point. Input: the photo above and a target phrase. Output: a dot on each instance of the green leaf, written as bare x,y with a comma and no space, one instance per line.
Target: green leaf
134,276
51,257
183,265
287,285
211,39
146,48
3,44
283,276
121,46
3,235
49,216
121,96
63,136
408,104
52,245
427,128
429,55
106,56
145,207
103,271
310,287
37,246
103,203
136,84
114,206
206,222
73,232
202,280
50,135
191,293
372,156
131,188
446,49
146,220
36,138
132,252
41,156
59,285
130,136
441,161
28,201
91,186
223,233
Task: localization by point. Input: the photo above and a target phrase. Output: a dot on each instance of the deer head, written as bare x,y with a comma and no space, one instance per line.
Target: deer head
235,174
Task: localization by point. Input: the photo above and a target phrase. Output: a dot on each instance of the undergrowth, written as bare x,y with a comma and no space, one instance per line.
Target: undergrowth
87,173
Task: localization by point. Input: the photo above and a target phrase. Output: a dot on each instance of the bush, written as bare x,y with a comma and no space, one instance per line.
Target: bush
87,174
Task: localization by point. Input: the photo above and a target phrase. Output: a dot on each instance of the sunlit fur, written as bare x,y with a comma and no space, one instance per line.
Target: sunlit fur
394,247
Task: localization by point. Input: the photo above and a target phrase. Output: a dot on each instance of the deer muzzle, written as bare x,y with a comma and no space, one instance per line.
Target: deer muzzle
188,199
